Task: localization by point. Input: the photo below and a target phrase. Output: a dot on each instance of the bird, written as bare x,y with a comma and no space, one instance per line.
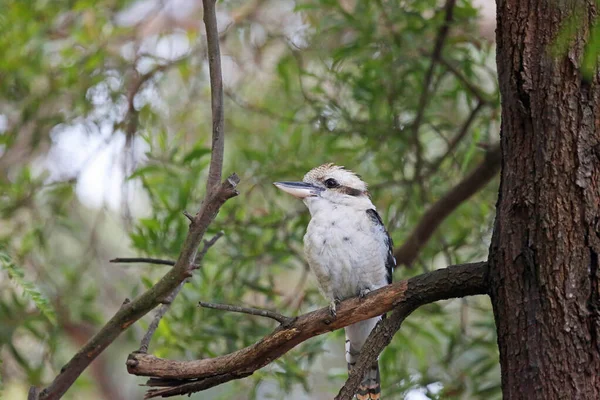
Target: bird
348,249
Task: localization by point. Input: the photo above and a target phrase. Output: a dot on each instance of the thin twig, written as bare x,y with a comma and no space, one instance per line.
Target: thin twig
438,212
146,260
174,388
147,301
435,56
458,138
481,96
131,116
207,245
216,94
162,310
188,215
282,319
166,303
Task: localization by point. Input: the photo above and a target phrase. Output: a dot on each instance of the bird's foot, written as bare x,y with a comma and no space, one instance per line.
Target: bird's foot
332,307
363,293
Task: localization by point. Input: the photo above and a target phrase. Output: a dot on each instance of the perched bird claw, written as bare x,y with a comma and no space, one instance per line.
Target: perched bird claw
363,293
332,308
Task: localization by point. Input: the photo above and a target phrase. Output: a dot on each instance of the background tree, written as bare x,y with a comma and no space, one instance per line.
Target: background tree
405,94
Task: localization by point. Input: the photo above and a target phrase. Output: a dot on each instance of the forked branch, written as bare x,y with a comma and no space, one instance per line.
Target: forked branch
458,281
217,194
184,377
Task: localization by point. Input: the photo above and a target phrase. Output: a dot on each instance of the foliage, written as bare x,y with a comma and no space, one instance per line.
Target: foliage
322,81
18,276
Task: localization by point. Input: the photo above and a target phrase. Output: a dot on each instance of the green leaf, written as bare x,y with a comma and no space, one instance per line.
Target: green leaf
195,153
140,172
29,289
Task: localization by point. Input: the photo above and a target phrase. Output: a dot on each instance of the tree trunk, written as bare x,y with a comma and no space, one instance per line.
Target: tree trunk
546,243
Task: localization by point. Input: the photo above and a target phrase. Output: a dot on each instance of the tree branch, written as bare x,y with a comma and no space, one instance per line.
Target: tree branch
216,95
458,281
282,319
458,138
217,194
157,261
404,297
162,310
145,343
101,369
435,56
131,116
207,245
470,185
481,96
189,216
131,312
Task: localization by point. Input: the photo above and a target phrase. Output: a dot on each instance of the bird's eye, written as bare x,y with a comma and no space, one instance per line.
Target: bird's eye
331,183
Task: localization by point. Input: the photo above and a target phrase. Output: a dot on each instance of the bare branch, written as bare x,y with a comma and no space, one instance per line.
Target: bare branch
435,56
207,245
131,312
282,319
430,221
216,196
162,310
481,96
385,330
404,297
33,393
157,261
174,388
101,370
458,138
216,94
188,215
139,80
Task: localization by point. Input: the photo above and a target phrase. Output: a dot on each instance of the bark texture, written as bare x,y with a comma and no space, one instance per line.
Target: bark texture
546,244
171,377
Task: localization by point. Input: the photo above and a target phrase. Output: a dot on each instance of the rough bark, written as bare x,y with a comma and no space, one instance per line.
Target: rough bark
403,297
546,243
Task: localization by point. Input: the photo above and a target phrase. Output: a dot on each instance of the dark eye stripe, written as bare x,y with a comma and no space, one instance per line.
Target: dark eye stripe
350,191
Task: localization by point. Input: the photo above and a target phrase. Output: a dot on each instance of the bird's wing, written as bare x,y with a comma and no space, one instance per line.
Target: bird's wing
390,262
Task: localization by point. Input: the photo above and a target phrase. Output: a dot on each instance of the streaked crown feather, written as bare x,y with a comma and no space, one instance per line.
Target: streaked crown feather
342,175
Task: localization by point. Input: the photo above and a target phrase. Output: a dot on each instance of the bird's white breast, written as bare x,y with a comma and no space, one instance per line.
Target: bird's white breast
345,250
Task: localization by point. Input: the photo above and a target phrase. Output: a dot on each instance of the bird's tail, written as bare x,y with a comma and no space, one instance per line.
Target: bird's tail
370,386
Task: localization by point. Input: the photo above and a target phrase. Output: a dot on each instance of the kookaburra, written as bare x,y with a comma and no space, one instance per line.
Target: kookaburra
347,248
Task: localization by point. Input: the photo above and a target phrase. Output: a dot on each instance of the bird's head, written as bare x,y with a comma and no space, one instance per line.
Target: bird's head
329,184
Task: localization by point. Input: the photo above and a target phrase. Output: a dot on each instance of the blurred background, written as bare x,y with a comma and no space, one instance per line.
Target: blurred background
105,140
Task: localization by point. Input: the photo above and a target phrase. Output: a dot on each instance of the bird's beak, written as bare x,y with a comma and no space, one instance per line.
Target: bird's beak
300,190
